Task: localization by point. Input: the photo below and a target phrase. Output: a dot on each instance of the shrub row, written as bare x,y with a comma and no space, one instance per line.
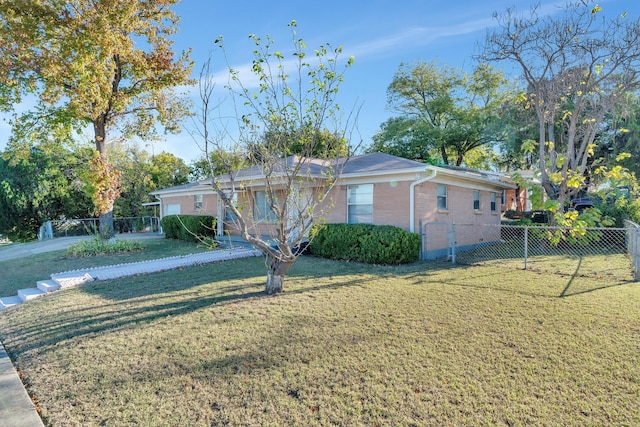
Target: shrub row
372,244
189,228
97,246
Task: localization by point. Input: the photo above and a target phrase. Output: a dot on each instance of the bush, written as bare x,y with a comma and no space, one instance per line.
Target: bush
620,210
372,244
26,230
97,246
189,228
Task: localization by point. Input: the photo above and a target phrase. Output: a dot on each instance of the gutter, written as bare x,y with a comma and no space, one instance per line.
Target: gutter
412,198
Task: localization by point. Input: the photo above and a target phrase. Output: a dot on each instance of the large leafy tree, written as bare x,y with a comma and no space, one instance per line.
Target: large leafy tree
296,95
576,66
41,186
444,112
220,161
103,64
142,173
621,135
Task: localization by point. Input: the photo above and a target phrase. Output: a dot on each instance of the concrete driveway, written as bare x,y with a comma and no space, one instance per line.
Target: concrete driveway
17,250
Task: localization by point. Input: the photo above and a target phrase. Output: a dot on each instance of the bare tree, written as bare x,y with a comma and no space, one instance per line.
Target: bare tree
576,65
273,203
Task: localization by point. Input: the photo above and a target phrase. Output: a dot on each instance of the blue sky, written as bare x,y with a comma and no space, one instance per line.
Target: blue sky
380,34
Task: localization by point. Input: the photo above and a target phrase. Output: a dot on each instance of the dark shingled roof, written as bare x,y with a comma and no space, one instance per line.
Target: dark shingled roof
365,164
379,162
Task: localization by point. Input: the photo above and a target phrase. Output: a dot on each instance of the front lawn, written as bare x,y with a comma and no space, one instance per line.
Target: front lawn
19,273
346,344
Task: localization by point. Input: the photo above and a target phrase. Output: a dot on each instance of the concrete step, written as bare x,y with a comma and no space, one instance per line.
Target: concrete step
9,301
30,293
71,278
48,285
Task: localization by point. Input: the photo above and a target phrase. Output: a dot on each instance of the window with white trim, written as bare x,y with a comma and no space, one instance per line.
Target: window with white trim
494,205
442,196
360,204
476,200
197,202
262,207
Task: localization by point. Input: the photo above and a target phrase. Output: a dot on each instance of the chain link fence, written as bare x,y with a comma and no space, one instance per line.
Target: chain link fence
603,253
90,226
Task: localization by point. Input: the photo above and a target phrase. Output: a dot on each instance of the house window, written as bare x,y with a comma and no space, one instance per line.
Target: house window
503,198
360,204
197,202
442,196
228,215
262,207
493,202
476,200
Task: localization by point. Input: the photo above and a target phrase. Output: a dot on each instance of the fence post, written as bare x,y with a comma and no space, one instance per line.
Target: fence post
636,254
526,245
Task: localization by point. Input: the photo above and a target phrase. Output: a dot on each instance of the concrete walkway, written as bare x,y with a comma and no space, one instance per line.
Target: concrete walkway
16,408
18,250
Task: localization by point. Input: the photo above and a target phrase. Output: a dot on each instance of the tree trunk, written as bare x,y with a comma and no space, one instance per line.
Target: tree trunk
107,230
275,276
443,153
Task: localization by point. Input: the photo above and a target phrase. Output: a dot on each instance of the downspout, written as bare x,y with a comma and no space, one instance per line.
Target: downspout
412,198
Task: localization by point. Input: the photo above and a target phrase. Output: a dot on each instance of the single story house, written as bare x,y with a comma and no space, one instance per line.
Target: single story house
373,188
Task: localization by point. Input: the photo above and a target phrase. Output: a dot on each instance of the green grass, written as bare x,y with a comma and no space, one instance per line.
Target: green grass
346,344
24,272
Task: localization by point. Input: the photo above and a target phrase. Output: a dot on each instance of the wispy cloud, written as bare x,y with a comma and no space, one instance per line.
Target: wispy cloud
404,39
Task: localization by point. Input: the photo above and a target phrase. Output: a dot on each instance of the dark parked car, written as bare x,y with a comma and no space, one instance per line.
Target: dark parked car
581,204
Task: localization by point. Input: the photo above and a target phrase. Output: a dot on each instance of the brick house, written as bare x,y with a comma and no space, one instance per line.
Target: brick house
373,188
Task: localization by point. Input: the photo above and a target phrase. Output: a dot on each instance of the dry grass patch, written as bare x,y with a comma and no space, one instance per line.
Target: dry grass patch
346,344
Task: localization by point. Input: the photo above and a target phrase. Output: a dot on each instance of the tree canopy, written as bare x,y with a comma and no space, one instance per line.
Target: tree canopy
576,66
106,64
142,173
41,186
444,112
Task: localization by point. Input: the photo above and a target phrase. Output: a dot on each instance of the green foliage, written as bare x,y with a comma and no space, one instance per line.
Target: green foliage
445,113
405,137
220,162
98,246
372,244
621,135
38,184
572,84
190,228
307,141
142,173
108,64
621,209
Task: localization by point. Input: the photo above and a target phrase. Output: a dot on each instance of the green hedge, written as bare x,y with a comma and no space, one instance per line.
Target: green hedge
372,244
181,227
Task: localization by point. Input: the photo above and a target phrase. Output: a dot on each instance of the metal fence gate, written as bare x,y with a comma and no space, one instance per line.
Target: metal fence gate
596,252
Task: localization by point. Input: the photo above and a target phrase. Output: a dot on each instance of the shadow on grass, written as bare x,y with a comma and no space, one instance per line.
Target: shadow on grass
130,303
565,292
530,282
